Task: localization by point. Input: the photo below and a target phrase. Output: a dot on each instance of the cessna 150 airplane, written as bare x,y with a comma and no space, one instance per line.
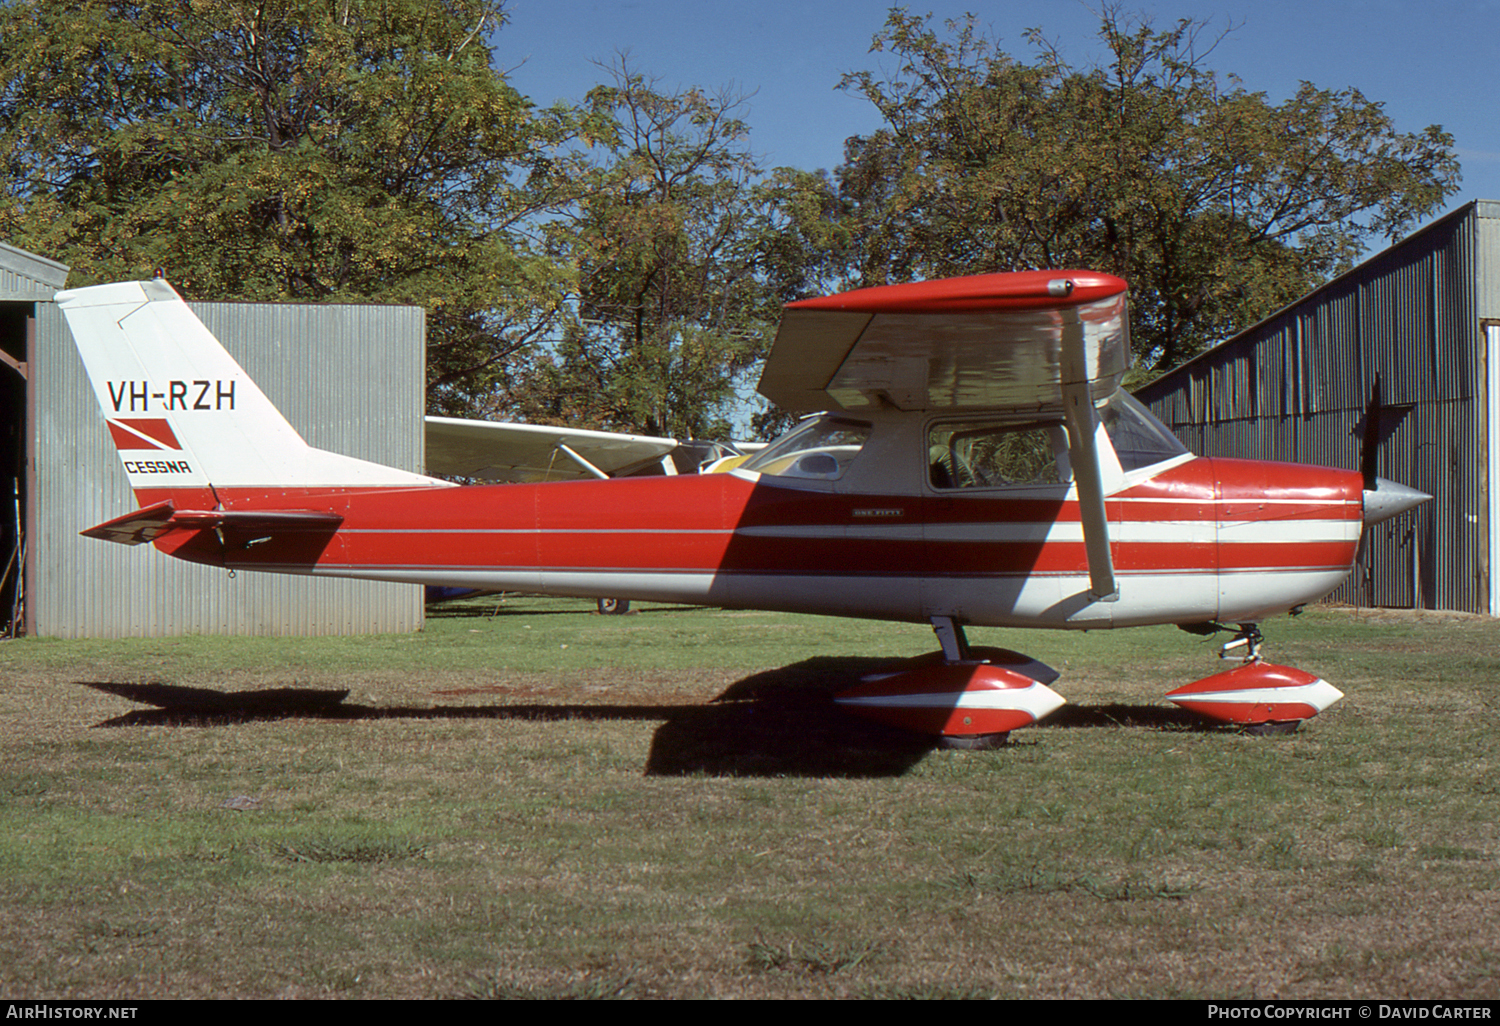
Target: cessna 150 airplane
972,461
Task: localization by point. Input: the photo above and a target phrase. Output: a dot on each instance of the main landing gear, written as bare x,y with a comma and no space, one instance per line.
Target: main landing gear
973,697
969,697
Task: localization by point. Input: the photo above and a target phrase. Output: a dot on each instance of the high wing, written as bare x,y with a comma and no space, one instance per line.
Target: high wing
495,451
985,342
1031,343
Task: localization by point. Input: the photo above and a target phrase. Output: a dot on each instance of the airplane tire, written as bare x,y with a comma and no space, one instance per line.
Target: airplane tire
974,742
613,607
1272,729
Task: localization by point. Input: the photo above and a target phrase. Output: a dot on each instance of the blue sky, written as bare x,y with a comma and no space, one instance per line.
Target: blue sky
1434,62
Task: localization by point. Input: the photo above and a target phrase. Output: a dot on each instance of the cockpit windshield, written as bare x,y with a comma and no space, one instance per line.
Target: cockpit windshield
819,448
1139,439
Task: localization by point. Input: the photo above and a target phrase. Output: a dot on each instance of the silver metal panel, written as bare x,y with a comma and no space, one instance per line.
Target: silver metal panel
27,277
1490,507
1487,259
349,378
1415,315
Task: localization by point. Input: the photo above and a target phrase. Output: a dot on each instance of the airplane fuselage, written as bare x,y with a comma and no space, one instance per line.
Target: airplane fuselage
1204,539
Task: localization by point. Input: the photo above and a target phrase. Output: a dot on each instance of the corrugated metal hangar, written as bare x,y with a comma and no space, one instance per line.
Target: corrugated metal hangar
350,378
1423,320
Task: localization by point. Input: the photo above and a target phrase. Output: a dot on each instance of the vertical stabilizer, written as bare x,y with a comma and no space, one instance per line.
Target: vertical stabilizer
182,412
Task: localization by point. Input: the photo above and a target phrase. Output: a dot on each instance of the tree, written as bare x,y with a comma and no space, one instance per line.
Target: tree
1217,205
289,149
672,309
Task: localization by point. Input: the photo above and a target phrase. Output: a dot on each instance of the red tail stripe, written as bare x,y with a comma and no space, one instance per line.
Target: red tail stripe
138,433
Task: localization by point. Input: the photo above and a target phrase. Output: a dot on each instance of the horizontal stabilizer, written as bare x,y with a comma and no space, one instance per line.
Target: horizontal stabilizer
136,527
151,522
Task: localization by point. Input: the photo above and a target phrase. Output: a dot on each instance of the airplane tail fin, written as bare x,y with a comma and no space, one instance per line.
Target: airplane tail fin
185,417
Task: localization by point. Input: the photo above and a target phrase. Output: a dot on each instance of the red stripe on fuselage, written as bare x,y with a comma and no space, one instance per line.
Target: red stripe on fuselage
723,524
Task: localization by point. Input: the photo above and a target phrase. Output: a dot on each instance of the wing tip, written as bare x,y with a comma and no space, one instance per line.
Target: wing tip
1000,290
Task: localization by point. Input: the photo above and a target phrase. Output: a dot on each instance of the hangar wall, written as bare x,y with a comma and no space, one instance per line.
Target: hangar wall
1421,316
349,378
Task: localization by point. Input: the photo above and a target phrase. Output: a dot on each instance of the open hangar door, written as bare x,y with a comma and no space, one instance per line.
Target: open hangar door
15,332
27,281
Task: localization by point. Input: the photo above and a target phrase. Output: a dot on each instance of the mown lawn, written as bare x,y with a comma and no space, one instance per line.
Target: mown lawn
527,799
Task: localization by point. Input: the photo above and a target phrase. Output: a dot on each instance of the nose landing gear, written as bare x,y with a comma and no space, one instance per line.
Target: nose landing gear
1262,697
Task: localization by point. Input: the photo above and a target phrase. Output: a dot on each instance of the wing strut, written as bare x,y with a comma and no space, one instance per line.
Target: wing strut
1083,453
585,464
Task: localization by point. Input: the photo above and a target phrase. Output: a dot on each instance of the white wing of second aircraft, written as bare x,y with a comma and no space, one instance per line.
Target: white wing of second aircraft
494,451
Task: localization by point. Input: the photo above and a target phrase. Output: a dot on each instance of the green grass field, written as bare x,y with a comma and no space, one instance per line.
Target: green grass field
529,800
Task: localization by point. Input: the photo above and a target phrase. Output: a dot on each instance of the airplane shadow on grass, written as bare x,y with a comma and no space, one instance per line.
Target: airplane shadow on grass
779,722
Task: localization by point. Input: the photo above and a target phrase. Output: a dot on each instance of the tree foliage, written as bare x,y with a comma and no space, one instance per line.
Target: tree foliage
666,239
620,262
1217,205
287,149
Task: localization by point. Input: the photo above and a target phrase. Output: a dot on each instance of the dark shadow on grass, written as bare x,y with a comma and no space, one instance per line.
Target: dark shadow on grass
781,722
179,706
778,723
184,706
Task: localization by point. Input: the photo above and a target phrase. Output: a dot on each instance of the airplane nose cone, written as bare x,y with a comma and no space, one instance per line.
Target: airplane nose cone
1388,498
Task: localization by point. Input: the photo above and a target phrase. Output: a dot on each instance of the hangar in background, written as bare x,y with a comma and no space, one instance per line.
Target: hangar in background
25,280
349,378
1422,318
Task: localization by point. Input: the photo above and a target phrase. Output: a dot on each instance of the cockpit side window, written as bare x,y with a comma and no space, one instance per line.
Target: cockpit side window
820,448
970,455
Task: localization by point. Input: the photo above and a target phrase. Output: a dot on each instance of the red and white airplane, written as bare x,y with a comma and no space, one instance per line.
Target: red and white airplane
972,461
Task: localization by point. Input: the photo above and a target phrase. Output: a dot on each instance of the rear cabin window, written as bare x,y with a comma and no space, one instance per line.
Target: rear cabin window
820,448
